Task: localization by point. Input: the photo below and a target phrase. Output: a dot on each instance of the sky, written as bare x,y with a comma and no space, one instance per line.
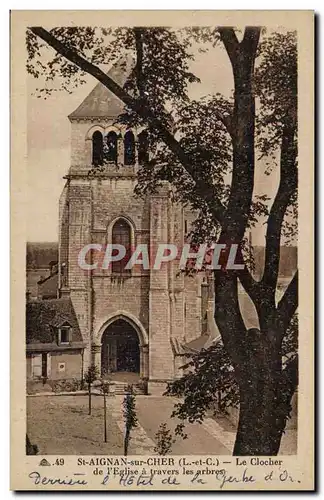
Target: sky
49,132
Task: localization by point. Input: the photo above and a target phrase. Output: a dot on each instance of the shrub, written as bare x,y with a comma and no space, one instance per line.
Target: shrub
164,440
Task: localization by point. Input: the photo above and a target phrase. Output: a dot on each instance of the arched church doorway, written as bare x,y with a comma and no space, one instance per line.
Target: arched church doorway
120,349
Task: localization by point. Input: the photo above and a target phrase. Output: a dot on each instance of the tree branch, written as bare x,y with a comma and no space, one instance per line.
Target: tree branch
227,121
228,316
252,287
251,39
233,47
242,56
206,191
138,32
287,187
230,42
288,304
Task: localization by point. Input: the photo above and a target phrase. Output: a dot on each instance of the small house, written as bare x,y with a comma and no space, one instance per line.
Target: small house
54,345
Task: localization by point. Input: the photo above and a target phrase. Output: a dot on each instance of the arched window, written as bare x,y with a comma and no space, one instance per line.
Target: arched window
110,147
97,148
121,235
129,148
143,148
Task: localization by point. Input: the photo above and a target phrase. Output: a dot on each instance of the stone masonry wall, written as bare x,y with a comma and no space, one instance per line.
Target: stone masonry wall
161,356
165,303
80,208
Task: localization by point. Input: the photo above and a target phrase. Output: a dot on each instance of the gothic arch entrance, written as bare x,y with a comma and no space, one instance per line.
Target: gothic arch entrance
120,348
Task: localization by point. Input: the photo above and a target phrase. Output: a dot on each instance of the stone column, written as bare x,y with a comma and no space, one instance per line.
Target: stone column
144,361
161,365
120,149
204,305
49,366
179,361
88,151
141,361
96,356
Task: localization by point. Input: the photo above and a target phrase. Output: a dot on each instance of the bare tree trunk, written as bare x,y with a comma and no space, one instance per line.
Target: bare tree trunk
89,389
265,389
126,441
105,418
259,429
255,355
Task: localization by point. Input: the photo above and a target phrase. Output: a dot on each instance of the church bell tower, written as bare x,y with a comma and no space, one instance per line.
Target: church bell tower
117,308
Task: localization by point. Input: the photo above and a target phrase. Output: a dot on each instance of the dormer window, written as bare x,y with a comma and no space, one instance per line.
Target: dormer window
64,335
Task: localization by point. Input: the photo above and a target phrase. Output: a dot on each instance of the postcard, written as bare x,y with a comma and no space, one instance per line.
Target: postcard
162,274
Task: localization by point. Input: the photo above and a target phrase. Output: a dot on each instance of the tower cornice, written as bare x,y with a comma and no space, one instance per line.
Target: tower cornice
101,176
106,120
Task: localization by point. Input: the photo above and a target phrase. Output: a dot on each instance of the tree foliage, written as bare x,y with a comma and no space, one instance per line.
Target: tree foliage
164,440
209,151
130,416
159,81
209,384
90,376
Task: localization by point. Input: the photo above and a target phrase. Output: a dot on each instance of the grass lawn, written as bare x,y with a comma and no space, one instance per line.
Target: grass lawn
60,425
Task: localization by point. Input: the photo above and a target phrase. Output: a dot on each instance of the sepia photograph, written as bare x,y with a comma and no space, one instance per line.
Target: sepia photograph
162,241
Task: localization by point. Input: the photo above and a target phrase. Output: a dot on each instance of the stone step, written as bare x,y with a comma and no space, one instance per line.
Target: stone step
120,388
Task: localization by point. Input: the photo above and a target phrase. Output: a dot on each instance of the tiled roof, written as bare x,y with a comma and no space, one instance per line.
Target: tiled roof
101,102
40,255
47,287
202,342
43,316
60,320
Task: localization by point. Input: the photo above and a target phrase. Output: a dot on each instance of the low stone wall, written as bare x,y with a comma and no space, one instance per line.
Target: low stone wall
156,388
60,385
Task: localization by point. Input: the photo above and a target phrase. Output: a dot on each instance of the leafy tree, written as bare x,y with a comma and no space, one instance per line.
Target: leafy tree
209,151
105,390
209,383
90,376
164,440
130,416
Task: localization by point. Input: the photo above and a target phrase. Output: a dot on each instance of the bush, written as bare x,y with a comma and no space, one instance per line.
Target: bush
164,440
90,376
209,384
130,417
65,385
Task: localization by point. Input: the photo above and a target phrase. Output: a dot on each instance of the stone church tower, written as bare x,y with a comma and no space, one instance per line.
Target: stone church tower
138,320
